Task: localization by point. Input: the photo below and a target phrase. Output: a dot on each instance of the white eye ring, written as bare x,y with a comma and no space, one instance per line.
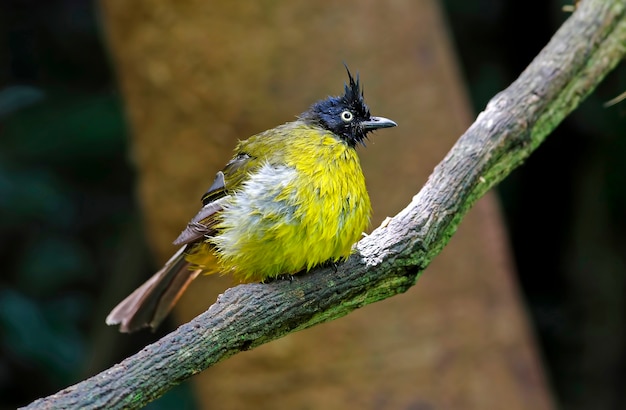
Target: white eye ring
347,116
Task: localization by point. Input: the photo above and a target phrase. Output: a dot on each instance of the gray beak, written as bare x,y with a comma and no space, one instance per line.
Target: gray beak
377,122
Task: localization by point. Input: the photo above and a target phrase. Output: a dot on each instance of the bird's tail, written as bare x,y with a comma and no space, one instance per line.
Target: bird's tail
148,305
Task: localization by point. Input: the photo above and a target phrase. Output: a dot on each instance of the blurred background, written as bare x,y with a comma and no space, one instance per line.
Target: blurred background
70,219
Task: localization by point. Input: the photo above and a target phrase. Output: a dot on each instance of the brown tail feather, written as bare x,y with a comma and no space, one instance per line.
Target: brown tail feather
148,305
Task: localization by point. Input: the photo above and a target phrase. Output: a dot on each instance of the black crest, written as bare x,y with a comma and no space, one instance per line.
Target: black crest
353,95
331,112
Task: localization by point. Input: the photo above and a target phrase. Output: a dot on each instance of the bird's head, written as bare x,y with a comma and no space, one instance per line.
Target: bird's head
347,116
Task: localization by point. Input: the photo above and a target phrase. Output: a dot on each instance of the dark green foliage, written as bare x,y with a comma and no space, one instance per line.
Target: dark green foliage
66,203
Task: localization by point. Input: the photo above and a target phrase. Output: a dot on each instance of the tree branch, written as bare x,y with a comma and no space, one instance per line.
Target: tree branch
389,261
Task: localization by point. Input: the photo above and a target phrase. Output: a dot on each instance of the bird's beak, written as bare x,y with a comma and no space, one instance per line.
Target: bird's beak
377,122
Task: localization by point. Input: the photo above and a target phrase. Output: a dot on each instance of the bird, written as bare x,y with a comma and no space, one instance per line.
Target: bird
290,199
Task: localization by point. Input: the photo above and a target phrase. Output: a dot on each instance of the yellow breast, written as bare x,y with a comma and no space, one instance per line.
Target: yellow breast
304,207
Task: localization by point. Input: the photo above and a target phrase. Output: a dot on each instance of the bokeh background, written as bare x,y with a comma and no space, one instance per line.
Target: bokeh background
70,219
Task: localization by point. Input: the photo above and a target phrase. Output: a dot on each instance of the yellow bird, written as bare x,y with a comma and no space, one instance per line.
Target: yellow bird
291,198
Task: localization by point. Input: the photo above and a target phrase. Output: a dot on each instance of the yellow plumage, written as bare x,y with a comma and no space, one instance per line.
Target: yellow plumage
291,198
308,206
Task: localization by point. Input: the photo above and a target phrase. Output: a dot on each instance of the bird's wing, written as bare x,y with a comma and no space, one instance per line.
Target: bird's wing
227,181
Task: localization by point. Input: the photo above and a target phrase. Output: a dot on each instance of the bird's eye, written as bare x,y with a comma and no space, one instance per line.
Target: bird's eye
346,116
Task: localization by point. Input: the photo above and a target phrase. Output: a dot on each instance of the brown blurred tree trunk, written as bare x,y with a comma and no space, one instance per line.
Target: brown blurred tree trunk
197,75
